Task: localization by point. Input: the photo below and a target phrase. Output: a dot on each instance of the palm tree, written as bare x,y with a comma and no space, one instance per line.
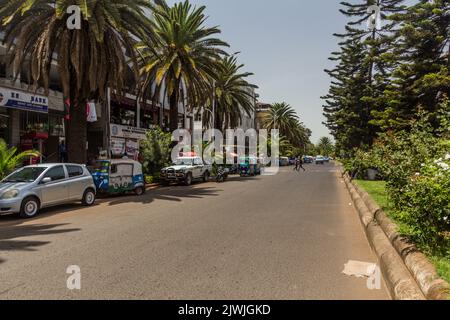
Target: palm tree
182,61
10,159
89,60
325,146
283,117
233,95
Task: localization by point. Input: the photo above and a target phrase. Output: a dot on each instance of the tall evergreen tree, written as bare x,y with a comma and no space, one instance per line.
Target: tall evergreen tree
422,78
363,68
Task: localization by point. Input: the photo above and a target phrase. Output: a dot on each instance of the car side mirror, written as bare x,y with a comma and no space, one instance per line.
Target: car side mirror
46,180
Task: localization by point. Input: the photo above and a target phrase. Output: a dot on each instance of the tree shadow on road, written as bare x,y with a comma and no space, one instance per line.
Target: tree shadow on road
172,193
10,232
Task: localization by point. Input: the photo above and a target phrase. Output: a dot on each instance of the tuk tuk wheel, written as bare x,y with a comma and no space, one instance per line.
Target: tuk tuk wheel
139,191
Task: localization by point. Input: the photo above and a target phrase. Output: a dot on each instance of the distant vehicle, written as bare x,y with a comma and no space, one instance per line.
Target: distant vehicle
186,170
320,160
222,174
249,166
308,159
326,159
119,176
284,161
31,188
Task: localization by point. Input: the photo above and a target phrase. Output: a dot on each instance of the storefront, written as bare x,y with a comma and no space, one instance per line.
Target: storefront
5,123
27,122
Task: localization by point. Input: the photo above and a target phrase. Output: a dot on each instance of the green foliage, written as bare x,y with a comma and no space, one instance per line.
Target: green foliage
440,256
282,117
358,165
425,215
361,74
10,159
385,78
183,58
416,166
156,151
234,95
377,190
325,147
149,179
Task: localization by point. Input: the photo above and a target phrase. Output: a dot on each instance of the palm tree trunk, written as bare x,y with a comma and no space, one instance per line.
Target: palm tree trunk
174,111
77,134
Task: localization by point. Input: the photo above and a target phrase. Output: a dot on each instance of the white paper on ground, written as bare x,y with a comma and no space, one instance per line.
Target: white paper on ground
359,269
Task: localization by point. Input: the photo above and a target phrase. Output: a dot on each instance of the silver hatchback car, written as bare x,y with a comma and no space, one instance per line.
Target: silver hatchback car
31,188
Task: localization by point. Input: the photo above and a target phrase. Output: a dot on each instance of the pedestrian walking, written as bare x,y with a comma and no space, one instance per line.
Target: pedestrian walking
300,164
63,158
296,164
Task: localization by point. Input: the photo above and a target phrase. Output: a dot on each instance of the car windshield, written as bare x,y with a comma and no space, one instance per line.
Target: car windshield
101,167
27,174
183,162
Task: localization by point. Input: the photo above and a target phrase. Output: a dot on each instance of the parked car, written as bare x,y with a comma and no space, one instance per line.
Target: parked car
308,159
31,188
284,161
119,176
320,160
186,170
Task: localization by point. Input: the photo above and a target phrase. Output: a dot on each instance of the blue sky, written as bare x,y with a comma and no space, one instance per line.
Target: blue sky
286,43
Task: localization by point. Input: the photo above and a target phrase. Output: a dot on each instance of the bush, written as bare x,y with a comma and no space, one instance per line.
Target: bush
425,216
149,179
417,184
156,151
358,165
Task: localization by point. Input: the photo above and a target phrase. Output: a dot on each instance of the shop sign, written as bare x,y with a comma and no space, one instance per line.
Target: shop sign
119,131
118,146
21,100
132,148
122,147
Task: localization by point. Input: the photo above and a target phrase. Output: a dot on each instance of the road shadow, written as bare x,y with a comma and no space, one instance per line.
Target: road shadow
242,179
171,193
12,231
43,213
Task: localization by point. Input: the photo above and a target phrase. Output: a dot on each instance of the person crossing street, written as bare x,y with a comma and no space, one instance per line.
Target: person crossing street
299,164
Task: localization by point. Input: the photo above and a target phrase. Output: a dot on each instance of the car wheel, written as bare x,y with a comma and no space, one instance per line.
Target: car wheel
188,179
139,191
88,197
206,176
29,208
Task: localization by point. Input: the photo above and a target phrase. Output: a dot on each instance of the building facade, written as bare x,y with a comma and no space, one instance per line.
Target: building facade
30,119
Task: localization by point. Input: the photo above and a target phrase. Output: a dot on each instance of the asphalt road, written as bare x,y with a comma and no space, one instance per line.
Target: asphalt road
271,237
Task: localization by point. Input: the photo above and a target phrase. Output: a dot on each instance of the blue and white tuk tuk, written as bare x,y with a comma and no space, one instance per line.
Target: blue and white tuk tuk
119,176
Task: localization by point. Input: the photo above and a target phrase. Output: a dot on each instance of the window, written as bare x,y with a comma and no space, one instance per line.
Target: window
56,173
74,171
198,162
56,125
114,168
27,174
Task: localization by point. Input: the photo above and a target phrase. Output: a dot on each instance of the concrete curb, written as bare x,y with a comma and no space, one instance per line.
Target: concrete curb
409,274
